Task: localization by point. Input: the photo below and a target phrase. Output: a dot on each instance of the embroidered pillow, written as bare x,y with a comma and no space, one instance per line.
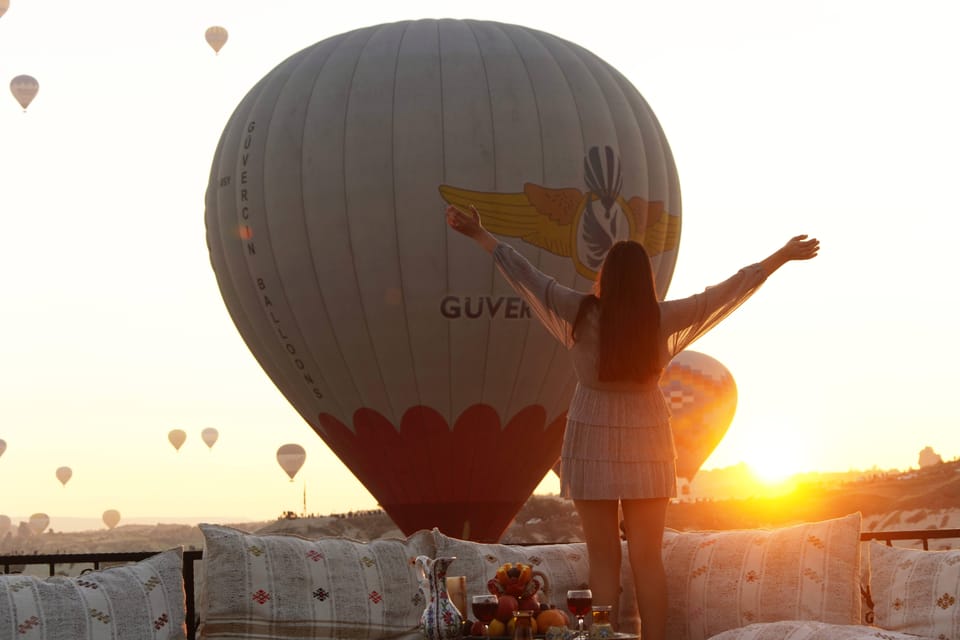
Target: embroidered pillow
565,566
285,586
140,601
916,592
720,580
809,630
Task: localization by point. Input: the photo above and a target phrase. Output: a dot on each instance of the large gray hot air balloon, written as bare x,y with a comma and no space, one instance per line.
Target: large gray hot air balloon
394,339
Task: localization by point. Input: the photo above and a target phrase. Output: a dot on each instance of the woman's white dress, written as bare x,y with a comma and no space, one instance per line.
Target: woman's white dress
618,443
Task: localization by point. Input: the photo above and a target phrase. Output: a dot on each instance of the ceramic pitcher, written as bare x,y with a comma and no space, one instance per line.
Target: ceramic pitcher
440,620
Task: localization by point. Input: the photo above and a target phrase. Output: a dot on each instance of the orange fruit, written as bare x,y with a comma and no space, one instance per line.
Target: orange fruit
551,618
496,628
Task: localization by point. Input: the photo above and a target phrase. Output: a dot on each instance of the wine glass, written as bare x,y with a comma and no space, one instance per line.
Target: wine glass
484,608
579,602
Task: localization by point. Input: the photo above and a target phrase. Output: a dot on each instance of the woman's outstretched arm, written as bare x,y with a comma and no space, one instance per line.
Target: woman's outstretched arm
797,248
469,225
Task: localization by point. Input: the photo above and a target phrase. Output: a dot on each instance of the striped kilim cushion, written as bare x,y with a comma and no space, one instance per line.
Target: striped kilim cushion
916,592
721,580
140,601
285,586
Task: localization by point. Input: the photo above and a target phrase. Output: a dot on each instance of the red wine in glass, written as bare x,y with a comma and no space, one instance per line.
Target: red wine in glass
485,608
580,605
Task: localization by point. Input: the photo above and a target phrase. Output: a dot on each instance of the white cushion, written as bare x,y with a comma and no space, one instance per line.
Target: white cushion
720,580
285,586
139,601
916,591
565,566
809,630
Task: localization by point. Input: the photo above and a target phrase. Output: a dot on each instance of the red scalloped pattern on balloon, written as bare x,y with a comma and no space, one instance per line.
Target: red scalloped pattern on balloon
468,481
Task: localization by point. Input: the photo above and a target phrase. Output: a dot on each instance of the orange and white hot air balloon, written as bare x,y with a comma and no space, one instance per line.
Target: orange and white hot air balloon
111,517
216,38
177,437
64,474
24,88
291,457
209,436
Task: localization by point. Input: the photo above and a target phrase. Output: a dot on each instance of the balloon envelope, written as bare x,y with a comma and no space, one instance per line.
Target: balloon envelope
209,436
24,89
38,523
702,396
3,446
4,5
177,437
291,457
395,339
216,37
111,517
64,474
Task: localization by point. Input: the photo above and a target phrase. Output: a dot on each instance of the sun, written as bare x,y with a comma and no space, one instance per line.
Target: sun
774,459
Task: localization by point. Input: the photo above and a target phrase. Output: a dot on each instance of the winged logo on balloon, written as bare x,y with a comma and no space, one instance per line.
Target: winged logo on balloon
581,225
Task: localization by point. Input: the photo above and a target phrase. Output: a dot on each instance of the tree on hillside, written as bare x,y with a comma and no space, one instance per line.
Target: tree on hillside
929,457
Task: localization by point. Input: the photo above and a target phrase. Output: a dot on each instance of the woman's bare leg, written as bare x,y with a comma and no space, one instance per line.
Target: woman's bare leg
643,522
600,520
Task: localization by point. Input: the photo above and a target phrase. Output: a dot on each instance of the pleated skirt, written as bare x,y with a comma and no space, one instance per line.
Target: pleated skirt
618,445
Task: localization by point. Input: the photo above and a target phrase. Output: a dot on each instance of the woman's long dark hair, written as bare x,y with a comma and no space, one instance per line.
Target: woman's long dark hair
629,315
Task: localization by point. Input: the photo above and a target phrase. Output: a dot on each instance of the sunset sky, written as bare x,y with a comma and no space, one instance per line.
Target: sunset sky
834,118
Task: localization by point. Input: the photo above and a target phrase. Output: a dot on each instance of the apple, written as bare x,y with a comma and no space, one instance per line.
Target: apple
477,628
507,604
530,603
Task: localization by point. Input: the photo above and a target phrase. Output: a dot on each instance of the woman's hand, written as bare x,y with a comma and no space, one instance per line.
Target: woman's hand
800,248
469,225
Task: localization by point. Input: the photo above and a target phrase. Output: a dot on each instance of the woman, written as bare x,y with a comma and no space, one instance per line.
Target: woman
617,447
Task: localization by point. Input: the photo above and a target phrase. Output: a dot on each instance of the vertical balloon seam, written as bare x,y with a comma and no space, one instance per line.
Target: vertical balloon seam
548,42
305,61
447,235
396,226
238,274
531,323
370,32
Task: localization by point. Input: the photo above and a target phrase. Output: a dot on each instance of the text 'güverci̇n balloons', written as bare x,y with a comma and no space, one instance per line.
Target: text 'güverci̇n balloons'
209,436
38,523
111,517
291,457
702,396
64,474
216,37
177,437
24,89
394,339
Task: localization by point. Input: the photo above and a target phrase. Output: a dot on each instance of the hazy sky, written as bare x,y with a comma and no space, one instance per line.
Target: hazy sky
837,119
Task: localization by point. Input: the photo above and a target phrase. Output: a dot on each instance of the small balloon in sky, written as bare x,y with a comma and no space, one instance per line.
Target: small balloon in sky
38,523
24,88
3,446
216,38
111,517
177,437
209,436
291,457
4,5
64,474
5,525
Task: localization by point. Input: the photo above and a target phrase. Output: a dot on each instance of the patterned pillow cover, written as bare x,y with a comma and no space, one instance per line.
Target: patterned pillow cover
721,580
284,586
809,630
565,565
916,592
139,601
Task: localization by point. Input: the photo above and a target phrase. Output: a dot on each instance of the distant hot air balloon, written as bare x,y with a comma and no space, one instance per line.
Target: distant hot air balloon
216,38
209,436
291,457
24,89
38,523
393,338
111,517
177,437
5,525
702,396
3,446
4,5
64,474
